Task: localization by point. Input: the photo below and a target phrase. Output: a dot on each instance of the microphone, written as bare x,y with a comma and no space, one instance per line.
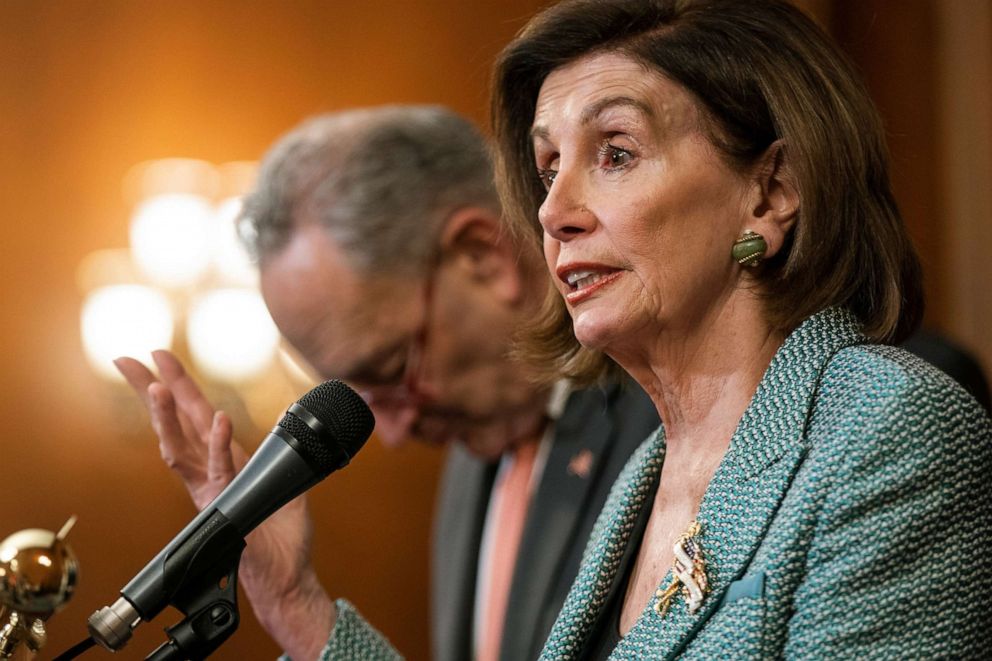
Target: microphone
319,434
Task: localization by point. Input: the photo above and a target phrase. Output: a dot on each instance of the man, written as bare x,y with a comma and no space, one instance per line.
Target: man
384,263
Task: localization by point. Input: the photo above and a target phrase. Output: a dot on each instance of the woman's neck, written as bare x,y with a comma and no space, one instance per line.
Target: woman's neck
701,374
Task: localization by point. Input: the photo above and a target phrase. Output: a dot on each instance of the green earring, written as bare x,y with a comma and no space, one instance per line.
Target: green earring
749,249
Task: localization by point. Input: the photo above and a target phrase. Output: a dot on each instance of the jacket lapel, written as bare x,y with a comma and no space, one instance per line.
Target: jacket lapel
581,435
461,512
588,448
743,496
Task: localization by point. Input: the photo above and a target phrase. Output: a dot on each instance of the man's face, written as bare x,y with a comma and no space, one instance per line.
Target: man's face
428,354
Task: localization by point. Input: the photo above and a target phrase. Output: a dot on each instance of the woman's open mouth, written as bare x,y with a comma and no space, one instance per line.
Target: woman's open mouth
583,281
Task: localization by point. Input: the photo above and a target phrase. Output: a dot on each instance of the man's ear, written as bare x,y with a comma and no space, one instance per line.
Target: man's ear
776,203
475,243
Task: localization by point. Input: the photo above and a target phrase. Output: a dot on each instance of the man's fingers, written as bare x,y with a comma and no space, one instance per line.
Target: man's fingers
187,394
173,443
137,375
220,463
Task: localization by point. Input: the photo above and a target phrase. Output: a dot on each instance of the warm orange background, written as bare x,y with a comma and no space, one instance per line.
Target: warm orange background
88,88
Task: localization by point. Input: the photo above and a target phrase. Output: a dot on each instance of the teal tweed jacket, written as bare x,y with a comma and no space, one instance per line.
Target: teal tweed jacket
850,518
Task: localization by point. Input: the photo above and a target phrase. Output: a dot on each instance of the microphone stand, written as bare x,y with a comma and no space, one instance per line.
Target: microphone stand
198,576
211,610
205,569
207,595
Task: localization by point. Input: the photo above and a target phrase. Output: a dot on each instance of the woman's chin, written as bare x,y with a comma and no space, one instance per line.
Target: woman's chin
594,334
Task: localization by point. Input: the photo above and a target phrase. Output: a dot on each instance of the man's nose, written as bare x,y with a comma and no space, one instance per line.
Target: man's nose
394,422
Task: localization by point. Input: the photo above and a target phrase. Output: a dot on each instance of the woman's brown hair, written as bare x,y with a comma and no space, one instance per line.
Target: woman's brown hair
760,71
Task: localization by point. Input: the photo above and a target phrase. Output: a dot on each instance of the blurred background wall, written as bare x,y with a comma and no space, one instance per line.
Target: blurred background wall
89,88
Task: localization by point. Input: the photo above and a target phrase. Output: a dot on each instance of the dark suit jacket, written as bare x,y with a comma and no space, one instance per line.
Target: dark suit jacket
609,423
954,360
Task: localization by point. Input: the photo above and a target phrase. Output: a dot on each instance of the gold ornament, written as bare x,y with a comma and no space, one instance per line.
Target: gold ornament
688,573
38,573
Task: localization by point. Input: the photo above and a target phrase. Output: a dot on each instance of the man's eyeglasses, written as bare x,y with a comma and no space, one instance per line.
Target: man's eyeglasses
407,390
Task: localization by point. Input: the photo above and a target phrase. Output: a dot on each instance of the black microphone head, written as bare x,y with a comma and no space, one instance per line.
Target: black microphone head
330,423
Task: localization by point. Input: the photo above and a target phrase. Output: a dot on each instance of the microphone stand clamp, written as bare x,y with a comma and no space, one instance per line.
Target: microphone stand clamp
211,612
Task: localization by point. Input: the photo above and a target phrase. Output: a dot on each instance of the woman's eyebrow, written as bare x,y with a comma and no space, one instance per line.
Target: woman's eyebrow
539,131
596,109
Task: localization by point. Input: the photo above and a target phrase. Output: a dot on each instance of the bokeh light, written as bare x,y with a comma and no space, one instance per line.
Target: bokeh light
170,238
124,320
231,259
230,334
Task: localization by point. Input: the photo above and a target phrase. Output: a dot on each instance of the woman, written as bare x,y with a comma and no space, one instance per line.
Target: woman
710,182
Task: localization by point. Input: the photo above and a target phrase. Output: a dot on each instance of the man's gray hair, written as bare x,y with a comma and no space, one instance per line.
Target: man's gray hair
382,181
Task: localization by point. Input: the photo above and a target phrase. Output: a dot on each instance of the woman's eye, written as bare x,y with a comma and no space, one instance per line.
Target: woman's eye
614,157
547,177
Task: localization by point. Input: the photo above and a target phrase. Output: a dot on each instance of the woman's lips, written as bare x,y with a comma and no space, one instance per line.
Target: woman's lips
584,281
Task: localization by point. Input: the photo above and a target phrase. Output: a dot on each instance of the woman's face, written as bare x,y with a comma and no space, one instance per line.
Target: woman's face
641,212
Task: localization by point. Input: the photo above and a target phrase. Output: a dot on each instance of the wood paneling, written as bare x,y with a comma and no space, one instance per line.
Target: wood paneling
927,65
894,45
965,167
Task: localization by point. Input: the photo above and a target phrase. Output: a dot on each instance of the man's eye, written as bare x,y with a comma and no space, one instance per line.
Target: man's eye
394,376
547,177
386,374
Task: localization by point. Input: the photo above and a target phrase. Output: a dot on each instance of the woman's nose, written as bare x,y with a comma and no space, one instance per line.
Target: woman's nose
394,422
564,213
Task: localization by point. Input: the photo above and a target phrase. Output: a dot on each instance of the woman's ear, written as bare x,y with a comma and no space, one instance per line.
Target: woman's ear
475,243
777,205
